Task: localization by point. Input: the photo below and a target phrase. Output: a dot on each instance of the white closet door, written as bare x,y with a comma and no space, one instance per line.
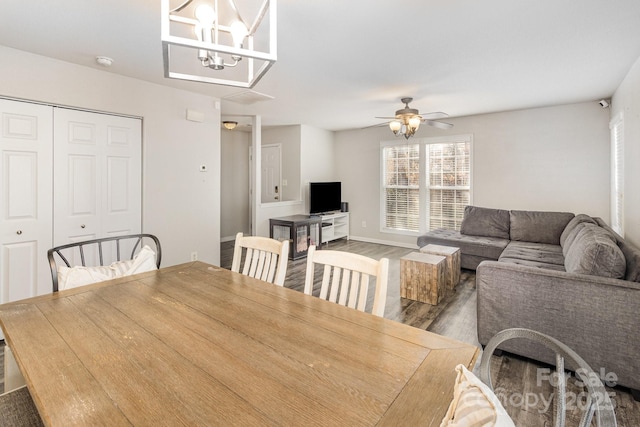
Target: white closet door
26,230
97,175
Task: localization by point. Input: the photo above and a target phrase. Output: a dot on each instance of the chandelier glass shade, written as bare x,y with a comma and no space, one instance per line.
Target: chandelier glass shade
405,125
209,41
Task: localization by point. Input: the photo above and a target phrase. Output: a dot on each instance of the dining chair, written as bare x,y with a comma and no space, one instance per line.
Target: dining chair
264,258
345,278
598,403
105,258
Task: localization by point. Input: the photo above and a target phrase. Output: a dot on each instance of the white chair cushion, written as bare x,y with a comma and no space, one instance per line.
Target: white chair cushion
143,261
72,277
474,404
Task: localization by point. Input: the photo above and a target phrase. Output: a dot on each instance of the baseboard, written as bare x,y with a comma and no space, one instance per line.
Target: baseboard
227,239
383,242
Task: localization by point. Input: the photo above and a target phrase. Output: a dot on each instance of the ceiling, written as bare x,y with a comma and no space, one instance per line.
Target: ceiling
341,63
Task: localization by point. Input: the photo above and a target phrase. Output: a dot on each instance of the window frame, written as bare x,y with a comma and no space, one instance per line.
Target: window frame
616,126
423,187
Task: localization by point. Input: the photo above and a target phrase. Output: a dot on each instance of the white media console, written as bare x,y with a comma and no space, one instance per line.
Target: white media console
335,226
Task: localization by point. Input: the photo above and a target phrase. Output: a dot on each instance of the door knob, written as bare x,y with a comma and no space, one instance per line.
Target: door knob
19,232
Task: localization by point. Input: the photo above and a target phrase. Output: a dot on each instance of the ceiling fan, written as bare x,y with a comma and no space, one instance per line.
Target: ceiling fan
407,120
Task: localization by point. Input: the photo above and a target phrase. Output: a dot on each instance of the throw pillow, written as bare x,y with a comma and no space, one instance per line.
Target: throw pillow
595,251
577,220
474,404
485,222
539,227
72,277
143,261
570,238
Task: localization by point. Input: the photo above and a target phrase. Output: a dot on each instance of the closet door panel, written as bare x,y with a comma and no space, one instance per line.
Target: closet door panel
121,193
98,175
26,224
76,176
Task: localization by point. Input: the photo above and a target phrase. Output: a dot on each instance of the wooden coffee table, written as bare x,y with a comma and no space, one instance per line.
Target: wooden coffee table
452,254
422,277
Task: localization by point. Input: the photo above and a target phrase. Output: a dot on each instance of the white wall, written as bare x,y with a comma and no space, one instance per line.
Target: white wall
317,160
554,158
626,99
234,193
180,204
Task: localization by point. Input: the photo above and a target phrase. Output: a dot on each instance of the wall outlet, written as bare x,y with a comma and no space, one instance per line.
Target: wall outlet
194,256
364,224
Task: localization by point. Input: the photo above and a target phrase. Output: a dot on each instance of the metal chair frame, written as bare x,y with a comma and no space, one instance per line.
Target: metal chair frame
90,243
598,401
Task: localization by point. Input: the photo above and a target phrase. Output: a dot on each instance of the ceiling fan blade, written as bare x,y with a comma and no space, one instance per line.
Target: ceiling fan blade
376,126
386,118
434,115
441,125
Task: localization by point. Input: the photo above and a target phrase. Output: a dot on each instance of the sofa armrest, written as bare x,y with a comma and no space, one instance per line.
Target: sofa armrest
597,317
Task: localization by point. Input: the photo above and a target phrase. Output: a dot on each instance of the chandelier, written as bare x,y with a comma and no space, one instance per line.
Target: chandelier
208,41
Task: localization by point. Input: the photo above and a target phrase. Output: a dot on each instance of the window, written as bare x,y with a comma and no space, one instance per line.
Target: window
617,174
449,189
425,184
402,187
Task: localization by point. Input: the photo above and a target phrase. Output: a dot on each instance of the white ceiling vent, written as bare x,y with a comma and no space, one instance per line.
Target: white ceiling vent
248,97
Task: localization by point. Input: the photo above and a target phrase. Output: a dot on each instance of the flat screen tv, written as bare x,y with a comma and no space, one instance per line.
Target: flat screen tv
324,197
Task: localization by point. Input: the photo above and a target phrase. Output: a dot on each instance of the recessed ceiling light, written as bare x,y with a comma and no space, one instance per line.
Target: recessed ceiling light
105,61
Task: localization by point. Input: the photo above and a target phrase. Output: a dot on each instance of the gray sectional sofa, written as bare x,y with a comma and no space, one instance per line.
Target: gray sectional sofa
568,276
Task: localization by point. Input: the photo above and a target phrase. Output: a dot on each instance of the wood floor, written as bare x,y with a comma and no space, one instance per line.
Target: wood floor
514,378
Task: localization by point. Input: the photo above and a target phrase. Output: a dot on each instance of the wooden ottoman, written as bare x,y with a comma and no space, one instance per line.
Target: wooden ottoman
422,277
452,255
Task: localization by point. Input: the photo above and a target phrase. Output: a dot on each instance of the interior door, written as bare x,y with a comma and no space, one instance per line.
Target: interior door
26,144
271,175
97,175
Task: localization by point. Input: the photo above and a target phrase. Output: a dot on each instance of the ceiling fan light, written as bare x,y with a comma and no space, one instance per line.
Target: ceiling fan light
395,126
414,123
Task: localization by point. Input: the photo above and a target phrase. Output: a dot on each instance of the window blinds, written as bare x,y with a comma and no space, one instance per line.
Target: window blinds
402,187
428,189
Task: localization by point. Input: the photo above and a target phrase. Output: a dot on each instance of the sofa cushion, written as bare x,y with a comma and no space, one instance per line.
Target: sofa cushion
485,247
537,252
631,253
485,222
595,251
538,227
573,224
571,237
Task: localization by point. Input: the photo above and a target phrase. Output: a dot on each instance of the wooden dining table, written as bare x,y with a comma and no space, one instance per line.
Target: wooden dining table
196,344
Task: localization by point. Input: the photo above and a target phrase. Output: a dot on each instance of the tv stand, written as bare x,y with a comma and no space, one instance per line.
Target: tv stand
335,226
302,231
